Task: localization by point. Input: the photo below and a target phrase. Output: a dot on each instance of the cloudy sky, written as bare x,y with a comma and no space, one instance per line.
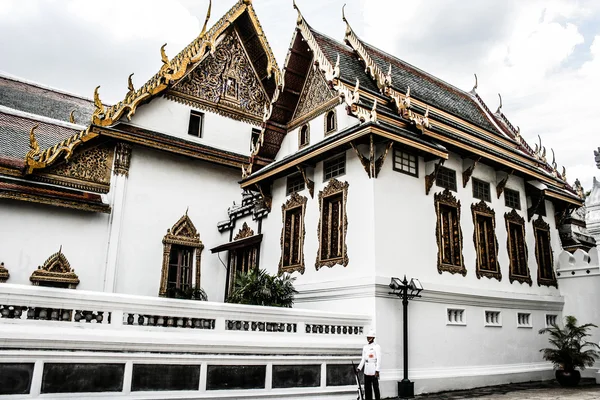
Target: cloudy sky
543,56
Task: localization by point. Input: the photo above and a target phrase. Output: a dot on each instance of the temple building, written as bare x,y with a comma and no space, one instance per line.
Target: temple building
344,168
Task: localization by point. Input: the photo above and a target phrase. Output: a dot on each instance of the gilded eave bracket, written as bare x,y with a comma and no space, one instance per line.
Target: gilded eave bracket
379,162
371,164
431,178
266,199
502,184
535,207
466,175
310,184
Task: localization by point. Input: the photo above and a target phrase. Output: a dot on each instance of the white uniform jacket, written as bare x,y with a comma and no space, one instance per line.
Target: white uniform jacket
371,359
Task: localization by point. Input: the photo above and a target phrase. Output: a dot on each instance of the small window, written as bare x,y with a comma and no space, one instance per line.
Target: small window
334,167
303,136
524,320
196,122
446,178
330,122
179,273
254,138
492,318
295,183
481,190
512,199
455,316
406,163
550,320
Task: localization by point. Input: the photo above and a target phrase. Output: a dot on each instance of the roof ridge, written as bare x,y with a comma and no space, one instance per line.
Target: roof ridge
6,75
40,118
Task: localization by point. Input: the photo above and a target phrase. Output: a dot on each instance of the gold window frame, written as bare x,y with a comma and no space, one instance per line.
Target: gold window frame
513,217
540,225
295,201
56,271
300,144
335,123
183,233
446,198
482,209
334,187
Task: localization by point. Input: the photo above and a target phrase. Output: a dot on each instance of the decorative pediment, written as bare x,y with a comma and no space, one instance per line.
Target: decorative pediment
56,272
89,169
4,275
225,82
316,92
183,233
245,232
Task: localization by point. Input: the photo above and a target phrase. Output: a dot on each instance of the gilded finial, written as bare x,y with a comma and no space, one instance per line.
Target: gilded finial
499,110
33,143
475,87
186,210
60,249
72,116
130,85
564,174
344,14
163,55
300,18
203,32
553,158
97,101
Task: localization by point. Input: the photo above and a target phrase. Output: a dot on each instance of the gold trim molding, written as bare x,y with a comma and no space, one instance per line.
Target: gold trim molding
446,198
515,218
122,159
183,233
56,272
334,187
483,209
292,203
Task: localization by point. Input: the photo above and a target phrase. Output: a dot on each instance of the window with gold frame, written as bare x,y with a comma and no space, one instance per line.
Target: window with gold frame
486,243
543,253
517,248
333,224
449,234
292,234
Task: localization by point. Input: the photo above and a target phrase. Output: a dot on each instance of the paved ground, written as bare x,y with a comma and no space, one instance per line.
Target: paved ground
551,390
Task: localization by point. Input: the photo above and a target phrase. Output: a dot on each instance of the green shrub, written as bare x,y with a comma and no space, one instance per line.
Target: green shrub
257,287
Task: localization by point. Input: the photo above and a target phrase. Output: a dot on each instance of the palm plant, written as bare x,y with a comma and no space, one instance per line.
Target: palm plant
572,350
257,287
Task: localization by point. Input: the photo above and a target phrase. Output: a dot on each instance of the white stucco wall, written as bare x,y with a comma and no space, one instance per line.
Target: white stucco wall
161,187
317,131
30,233
172,118
359,234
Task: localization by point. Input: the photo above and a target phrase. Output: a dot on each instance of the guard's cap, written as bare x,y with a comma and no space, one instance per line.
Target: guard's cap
371,333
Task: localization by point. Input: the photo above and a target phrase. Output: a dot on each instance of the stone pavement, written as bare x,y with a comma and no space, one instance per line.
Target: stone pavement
549,390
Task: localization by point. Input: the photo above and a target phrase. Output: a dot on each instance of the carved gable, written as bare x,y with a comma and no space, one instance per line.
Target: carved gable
89,169
315,93
224,82
56,272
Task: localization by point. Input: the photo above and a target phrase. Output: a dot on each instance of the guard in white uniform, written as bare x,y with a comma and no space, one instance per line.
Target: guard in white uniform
371,362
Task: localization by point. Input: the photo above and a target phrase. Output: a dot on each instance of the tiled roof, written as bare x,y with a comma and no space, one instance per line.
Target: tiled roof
14,136
37,99
350,67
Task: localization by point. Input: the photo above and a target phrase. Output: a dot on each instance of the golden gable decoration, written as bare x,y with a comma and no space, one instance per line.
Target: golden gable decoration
244,233
4,275
89,170
225,83
316,92
183,233
55,272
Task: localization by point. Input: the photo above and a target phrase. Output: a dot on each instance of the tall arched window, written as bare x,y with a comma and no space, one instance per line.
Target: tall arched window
303,136
330,122
181,247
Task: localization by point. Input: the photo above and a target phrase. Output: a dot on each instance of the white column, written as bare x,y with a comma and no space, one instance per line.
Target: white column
119,192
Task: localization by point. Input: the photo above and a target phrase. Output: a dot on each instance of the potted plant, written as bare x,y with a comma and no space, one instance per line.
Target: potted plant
258,288
571,350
